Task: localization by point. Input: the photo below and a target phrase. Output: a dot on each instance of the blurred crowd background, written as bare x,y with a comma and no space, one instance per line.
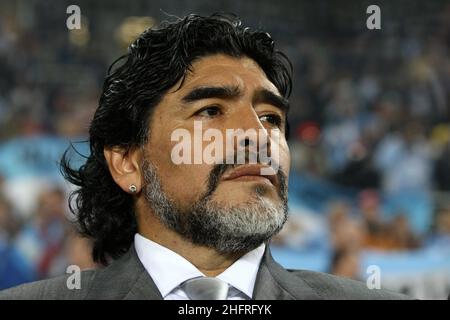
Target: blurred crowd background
370,139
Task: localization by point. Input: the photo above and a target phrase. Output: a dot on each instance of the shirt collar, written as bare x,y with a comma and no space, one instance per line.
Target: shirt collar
242,274
168,269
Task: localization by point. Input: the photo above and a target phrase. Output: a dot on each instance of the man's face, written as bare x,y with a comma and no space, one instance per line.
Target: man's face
239,96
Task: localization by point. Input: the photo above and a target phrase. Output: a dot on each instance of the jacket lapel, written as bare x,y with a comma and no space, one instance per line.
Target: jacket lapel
144,288
273,282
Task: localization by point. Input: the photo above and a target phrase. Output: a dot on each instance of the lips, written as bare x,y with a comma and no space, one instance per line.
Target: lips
246,172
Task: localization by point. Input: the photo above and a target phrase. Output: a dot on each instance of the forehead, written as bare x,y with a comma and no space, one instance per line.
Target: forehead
223,70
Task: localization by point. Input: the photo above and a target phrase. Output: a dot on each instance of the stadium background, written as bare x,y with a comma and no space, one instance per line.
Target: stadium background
370,182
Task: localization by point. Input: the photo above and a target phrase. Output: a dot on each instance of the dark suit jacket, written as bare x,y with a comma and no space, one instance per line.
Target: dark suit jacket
126,278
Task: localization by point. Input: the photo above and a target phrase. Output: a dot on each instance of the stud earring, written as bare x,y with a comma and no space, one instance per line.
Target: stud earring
132,188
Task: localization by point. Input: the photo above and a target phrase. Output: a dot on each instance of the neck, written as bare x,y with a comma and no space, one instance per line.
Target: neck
207,260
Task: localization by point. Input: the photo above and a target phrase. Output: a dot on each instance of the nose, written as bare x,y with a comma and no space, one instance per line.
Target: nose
253,136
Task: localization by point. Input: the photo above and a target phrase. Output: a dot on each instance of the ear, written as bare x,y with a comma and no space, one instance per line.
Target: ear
124,167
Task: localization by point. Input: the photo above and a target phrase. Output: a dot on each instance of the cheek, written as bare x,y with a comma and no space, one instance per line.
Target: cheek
183,183
280,152
285,157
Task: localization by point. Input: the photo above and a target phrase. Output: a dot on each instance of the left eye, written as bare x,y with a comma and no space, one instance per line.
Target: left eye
273,119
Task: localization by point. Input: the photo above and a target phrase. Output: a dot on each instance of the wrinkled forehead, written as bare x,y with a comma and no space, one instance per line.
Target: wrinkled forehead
222,70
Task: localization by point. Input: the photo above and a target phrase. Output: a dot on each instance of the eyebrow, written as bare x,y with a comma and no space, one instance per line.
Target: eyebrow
269,97
201,93
232,92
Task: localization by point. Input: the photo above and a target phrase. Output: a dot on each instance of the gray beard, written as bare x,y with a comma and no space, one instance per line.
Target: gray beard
225,228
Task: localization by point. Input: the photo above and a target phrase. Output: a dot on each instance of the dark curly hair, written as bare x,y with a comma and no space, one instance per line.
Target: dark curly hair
155,62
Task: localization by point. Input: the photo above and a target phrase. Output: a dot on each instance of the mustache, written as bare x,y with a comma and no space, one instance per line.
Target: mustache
220,169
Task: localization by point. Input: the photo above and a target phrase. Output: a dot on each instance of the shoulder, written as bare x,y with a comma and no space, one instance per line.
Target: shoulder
332,287
114,281
63,287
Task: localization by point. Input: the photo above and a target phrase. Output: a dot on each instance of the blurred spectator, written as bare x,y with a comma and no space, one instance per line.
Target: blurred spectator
442,168
443,222
440,236
13,269
376,230
401,235
9,222
404,160
346,235
42,239
381,234
345,232
307,154
358,171
346,263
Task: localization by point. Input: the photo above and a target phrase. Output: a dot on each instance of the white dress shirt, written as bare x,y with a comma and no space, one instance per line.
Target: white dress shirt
168,270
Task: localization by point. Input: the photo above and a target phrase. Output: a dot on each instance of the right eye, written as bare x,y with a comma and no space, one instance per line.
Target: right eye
209,111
